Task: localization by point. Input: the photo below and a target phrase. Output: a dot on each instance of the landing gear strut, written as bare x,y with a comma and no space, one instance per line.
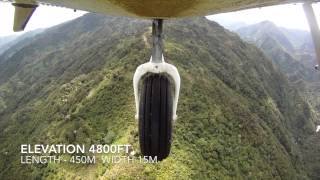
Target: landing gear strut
156,89
314,29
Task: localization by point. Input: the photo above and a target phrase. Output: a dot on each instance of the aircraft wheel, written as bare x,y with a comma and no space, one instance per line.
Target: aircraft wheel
155,116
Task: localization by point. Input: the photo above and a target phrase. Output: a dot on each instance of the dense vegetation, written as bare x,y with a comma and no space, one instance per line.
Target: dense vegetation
238,116
292,52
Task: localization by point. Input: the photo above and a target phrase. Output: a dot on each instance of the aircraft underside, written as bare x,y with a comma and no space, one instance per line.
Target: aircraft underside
157,83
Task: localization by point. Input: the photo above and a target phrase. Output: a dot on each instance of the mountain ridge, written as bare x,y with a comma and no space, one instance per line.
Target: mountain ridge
238,115
297,64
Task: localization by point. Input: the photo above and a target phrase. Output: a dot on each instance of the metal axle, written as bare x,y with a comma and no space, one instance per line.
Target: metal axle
157,40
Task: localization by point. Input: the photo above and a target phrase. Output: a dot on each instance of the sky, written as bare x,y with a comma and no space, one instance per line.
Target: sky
289,16
43,17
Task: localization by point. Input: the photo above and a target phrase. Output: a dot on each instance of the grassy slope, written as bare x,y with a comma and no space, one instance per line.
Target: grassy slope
238,117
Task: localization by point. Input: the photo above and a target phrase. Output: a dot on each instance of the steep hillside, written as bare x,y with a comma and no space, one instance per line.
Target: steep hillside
8,41
266,29
238,116
297,43
294,55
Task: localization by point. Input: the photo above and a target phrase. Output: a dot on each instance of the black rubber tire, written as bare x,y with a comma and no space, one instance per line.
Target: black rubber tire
155,116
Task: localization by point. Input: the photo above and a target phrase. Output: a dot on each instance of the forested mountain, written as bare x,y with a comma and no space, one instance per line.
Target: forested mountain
239,117
297,42
292,51
4,40
294,55
7,41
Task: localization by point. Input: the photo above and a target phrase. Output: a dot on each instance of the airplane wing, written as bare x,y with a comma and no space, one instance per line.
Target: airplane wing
22,14
163,9
150,9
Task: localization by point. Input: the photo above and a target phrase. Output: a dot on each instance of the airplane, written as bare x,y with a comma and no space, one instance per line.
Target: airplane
157,83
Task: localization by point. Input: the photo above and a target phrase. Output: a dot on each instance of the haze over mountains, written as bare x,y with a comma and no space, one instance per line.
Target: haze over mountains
292,51
7,41
295,42
239,115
